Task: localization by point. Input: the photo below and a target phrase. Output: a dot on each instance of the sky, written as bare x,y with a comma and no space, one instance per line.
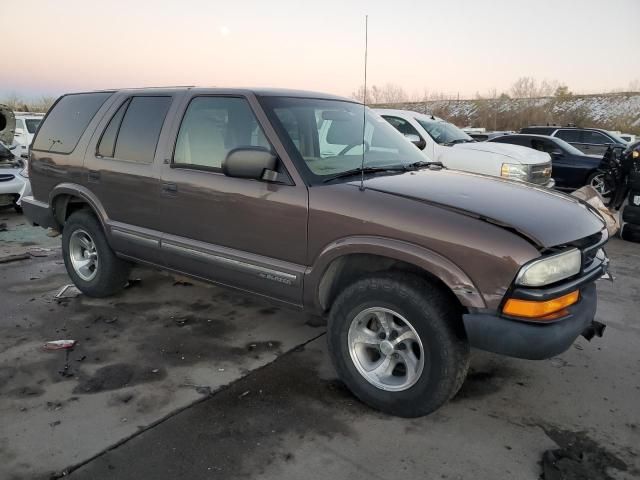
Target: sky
450,46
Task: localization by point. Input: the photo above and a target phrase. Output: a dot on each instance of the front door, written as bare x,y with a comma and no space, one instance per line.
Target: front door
245,233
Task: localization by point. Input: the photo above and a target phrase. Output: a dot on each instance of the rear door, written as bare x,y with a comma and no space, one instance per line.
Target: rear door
594,142
123,174
249,234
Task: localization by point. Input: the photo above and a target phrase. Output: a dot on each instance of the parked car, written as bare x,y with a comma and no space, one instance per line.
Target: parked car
14,179
592,141
572,169
486,136
446,143
264,191
26,126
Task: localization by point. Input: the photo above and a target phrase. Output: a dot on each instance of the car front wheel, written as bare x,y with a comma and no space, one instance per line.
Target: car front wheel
397,342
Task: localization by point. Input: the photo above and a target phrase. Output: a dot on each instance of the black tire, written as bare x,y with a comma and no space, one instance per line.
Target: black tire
436,318
630,232
111,273
631,214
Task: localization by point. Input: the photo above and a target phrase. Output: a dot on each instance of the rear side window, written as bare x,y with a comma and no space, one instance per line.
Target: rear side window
140,129
66,122
571,136
107,145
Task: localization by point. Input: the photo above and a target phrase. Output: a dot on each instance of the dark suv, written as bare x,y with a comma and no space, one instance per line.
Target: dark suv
263,191
592,141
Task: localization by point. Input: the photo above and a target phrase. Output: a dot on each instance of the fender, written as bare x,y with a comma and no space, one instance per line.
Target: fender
441,267
82,192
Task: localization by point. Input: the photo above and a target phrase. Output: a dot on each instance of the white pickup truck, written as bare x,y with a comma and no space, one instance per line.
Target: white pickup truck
446,143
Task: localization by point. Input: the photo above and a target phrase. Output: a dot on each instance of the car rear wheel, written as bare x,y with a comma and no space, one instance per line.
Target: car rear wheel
90,262
396,341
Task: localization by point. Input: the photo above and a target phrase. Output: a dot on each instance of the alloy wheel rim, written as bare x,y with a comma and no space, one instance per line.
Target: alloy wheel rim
597,182
386,349
83,255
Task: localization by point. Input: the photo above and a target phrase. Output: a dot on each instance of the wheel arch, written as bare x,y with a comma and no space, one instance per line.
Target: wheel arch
66,198
343,261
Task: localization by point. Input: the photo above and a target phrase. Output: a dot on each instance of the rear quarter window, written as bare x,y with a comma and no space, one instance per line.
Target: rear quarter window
67,121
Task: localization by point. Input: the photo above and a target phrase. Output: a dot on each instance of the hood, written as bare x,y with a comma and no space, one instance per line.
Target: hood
545,217
7,125
515,153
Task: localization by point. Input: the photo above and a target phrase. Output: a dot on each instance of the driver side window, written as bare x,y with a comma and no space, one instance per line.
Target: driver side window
211,127
402,125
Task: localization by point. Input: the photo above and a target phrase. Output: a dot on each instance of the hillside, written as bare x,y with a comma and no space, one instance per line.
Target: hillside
615,111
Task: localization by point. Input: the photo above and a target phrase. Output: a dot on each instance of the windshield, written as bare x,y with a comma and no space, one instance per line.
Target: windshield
444,133
32,124
617,138
328,136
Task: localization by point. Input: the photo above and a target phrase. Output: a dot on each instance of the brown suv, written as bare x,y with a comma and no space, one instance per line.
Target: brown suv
262,190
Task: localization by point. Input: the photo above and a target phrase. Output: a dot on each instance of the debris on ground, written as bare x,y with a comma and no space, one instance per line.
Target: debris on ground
133,282
52,232
578,458
60,345
67,346
201,389
67,292
244,394
15,258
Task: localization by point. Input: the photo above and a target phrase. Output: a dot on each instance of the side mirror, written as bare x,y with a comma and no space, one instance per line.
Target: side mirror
557,153
250,162
18,131
416,140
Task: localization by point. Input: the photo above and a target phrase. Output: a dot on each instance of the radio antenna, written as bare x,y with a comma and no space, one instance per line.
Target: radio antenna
364,100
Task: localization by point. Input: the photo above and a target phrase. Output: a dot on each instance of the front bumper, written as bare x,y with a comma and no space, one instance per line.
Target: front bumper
532,340
18,186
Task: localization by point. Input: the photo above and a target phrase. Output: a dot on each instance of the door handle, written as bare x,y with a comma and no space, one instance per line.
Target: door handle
169,188
94,176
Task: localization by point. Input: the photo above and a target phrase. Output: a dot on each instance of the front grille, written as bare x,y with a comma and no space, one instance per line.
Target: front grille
590,247
5,177
541,174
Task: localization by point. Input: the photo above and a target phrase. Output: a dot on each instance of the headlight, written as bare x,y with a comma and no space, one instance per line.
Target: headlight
515,171
550,269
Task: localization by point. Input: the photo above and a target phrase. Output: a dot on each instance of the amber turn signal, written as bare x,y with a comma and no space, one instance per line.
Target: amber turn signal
539,310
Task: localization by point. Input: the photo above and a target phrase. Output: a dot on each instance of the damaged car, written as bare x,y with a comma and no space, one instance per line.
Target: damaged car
14,174
315,202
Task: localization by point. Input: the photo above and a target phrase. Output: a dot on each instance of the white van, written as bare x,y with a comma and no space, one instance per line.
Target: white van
444,142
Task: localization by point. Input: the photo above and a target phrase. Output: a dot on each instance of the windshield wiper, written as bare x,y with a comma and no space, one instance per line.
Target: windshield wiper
458,140
360,171
423,164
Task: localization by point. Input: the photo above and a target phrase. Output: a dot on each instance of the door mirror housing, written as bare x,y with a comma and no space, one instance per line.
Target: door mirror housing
250,162
557,153
416,140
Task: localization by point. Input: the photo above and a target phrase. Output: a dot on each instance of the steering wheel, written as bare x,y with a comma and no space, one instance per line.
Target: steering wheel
354,145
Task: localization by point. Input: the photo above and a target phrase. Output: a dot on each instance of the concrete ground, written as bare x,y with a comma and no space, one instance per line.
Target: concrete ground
176,381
